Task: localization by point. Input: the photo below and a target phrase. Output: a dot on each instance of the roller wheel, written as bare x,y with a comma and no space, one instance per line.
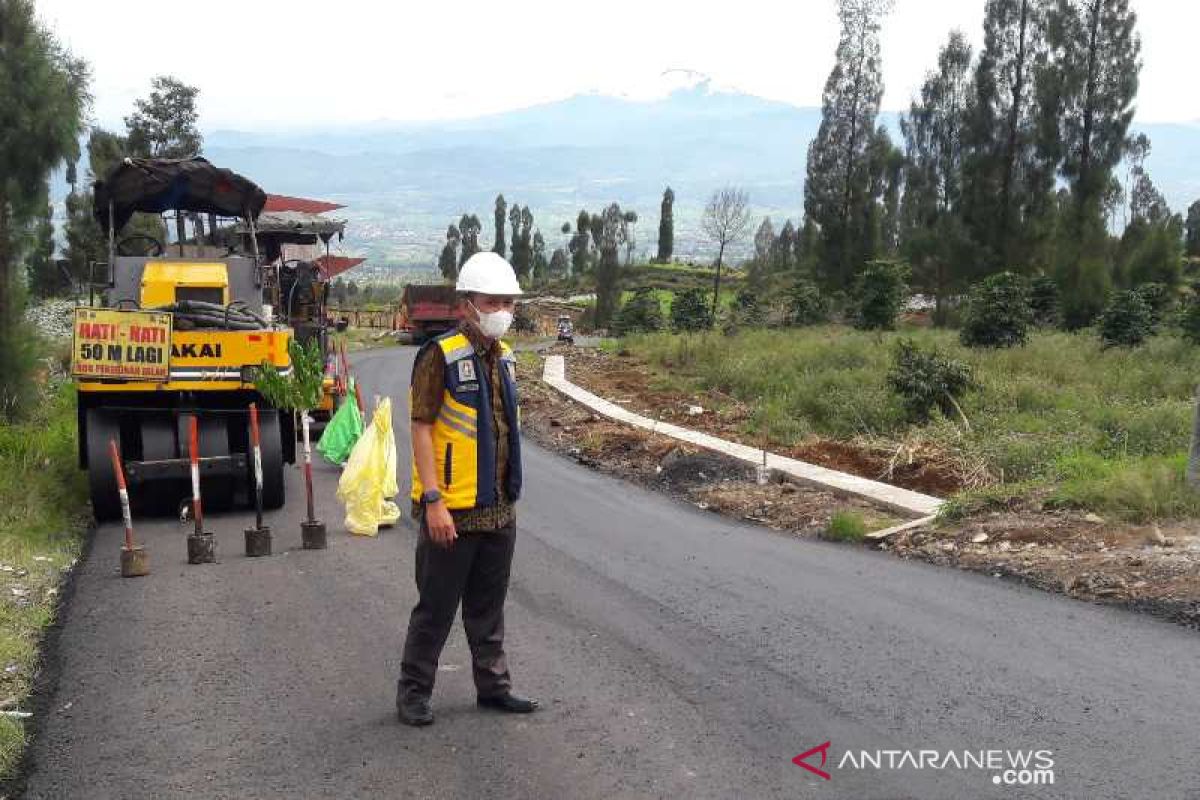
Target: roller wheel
272,460
102,481
216,493
158,444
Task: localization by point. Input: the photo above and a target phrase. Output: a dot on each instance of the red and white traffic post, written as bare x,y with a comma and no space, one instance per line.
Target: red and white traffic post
312,530
202,546
134,561
258,538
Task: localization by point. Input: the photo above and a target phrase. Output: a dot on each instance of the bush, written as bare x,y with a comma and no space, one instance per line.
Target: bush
640,314
926,379
18,357
1044,301
524,320
691,310
879,294
1189,320
1158,298
846,526
1126,321
747,311
998,312
806,304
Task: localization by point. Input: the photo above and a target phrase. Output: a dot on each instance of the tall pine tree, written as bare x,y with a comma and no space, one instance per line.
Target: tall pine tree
43,94
45,280
666,228
500,215
1003,181
448,262
468,230
1096,65
836,188
579,245
934,238
609,229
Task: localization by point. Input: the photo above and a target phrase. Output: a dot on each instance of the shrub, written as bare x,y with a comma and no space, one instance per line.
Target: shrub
806,305
998,312
524,320
1189,320
1126,321
18,359
747,311
640,313
1044,301
691,311
1158,298
925,380
846,526
879,293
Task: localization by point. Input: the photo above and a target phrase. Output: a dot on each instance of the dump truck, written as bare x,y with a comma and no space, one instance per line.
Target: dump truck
427,310
177,336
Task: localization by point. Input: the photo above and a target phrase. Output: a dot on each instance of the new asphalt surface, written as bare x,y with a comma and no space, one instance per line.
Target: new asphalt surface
676,653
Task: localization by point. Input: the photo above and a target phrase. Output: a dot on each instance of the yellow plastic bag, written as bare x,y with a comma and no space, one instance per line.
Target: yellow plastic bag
369,479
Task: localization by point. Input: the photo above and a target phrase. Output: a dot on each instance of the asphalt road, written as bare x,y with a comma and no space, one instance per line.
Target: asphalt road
677,654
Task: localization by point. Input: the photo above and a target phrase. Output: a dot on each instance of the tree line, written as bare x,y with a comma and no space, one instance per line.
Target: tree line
1010,161
594,246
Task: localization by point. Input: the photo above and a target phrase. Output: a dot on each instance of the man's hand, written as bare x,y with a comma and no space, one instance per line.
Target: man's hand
440,524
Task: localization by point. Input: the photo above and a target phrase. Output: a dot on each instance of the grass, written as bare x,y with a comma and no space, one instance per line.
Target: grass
666,297
1084,426
43,503
846,526
364,338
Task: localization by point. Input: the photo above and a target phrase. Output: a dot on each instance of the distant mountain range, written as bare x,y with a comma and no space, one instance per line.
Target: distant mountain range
404,183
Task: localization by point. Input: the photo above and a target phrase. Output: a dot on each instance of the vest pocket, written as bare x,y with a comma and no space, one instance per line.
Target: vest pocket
447,467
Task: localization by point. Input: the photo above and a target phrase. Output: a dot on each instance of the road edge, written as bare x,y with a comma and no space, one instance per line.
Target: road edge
893,498
46,678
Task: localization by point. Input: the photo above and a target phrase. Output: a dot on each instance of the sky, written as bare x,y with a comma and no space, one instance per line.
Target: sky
270,64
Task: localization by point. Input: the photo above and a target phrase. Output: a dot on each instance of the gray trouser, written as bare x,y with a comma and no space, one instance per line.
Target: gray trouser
474,570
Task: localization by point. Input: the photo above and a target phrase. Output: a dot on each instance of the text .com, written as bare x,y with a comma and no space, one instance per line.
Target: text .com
1008,767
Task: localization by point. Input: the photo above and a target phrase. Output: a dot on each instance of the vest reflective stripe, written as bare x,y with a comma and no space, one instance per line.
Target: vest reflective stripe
458,425
459,351
464,443
456,415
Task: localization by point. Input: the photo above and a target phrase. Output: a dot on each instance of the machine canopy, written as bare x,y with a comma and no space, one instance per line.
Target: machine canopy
154,185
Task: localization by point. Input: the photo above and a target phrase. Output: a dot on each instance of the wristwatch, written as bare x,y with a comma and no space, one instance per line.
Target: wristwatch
431,496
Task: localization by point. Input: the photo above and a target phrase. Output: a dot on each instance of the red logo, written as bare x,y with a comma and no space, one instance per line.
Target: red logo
823,749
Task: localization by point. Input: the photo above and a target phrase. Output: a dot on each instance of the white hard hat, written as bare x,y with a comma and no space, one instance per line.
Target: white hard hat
488,273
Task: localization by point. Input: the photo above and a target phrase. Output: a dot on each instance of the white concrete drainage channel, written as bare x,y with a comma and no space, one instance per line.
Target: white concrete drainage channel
893,498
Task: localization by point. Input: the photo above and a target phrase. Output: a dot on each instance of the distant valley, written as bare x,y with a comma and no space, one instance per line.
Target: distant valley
404,183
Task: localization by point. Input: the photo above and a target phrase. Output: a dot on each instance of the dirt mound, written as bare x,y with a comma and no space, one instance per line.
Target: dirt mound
687,470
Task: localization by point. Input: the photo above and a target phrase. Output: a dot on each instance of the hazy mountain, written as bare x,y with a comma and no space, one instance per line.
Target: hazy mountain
403,183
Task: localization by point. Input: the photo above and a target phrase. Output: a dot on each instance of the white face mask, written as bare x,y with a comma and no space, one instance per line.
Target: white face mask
493,324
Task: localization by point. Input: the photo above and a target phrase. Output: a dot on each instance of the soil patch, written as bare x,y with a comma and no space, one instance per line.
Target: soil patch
708,480
628,381
1148,568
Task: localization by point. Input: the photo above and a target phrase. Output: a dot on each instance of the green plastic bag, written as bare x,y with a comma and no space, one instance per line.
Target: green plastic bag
343,431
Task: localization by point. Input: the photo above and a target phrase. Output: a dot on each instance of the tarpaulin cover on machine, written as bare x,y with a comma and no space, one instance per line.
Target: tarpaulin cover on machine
154,185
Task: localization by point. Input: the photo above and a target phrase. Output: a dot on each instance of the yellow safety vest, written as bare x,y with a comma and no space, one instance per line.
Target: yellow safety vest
464,444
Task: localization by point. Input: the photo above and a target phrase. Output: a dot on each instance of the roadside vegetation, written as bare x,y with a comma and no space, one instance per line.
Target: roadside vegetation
1063,418
43,513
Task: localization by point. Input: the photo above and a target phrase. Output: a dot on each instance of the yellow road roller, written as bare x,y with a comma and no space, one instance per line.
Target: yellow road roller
178,332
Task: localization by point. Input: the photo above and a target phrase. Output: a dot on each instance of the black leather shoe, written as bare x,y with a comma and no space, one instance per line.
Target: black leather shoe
509,703
415,711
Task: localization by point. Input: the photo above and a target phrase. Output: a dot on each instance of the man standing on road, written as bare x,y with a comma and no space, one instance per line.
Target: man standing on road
466,479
